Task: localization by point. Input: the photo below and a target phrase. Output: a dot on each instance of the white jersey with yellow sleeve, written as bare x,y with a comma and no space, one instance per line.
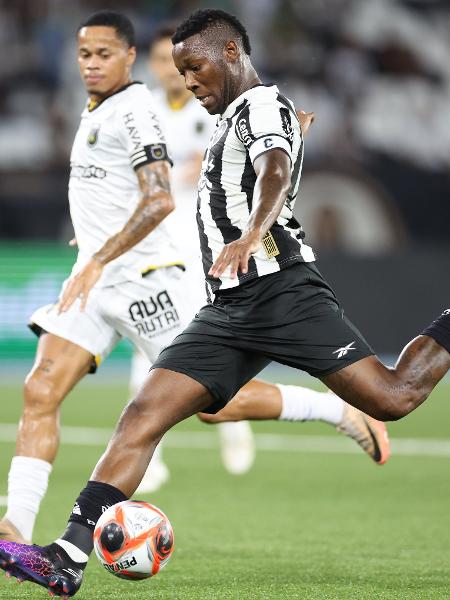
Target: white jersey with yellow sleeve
116,137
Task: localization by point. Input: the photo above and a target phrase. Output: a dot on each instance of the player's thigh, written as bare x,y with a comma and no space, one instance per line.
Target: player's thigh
206,352
87,329
368,385
307,327
257,400
59,364
168,397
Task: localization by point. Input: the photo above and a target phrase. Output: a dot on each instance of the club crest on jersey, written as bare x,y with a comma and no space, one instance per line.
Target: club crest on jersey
157,151
199,127
92,138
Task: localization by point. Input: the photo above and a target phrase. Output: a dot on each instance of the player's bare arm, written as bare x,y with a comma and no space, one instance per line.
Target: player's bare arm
156,203
273,181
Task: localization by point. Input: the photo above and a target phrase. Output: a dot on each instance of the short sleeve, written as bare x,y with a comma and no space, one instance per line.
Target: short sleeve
141,132
265,126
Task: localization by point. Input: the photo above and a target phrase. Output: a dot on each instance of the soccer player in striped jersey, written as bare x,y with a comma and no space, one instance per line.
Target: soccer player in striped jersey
270,302
187,128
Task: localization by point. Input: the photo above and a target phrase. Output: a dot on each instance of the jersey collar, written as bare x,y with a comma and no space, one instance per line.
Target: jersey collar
247,95
92,104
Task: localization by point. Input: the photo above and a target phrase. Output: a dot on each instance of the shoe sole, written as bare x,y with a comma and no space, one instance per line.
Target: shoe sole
379,434
13,568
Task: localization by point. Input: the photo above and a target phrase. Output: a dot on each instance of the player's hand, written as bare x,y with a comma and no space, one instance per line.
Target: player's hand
73,242
306,120
80,285
236,255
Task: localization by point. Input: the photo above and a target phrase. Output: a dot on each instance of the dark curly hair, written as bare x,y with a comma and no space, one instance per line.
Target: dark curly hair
202,19
106,18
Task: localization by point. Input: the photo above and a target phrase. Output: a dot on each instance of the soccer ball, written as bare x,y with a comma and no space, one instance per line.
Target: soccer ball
133,540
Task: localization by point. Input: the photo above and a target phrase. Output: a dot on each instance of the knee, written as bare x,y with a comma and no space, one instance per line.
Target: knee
40,394
142,420
209,418
392,407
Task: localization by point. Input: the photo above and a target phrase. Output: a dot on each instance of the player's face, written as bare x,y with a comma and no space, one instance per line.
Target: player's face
104,60
205,73
162,66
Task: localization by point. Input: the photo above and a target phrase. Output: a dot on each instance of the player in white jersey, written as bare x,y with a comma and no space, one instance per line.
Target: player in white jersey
127,280
187,128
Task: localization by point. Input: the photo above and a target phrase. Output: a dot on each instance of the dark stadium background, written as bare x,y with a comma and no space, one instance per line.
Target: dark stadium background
313,519
375,195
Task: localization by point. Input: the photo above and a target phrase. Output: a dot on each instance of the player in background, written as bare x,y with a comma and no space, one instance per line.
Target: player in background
119,196
128,261
187,128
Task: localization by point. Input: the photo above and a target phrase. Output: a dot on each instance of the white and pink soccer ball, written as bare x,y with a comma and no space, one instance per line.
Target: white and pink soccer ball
133,540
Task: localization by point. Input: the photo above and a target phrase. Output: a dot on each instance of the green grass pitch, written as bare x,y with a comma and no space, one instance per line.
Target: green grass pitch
309,525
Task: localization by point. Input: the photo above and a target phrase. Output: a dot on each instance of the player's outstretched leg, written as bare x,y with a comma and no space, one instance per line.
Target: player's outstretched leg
388,394
59,566
259,400
58,366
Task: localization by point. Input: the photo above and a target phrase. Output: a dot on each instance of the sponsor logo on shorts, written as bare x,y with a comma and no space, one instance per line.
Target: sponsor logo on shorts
344,350
154,315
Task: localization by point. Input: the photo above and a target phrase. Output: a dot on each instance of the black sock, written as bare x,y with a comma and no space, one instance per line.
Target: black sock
89,507
439,330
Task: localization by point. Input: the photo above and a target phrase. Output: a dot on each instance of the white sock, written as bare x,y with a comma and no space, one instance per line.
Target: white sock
73,551
27,484
304,404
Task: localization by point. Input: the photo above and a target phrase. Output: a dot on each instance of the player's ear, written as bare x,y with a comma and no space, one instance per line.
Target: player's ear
131,56
231,51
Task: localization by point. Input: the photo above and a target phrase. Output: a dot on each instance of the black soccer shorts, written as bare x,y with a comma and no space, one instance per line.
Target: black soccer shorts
291,317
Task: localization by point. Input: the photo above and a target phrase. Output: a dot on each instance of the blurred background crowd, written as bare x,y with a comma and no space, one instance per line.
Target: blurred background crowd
376,73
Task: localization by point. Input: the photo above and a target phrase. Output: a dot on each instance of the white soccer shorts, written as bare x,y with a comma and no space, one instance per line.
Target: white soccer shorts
150,312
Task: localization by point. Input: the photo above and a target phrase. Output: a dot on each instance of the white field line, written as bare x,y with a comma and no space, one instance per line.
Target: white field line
205,440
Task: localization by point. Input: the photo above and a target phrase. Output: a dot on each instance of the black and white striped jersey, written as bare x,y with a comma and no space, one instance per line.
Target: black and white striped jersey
258,121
